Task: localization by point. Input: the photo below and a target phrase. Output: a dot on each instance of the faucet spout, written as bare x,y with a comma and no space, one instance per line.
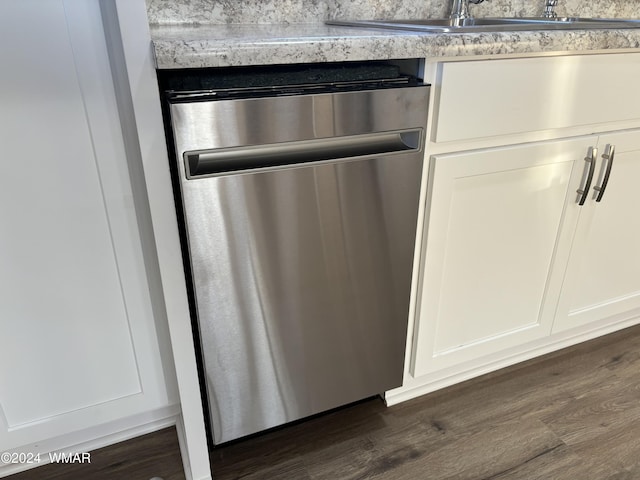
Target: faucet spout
460,11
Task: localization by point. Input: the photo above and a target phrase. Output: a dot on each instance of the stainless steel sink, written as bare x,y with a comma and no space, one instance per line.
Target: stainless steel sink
445,25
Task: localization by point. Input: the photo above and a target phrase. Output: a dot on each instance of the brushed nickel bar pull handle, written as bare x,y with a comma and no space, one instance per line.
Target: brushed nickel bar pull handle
608,155
591,160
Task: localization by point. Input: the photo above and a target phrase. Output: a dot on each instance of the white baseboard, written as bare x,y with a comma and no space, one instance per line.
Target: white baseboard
97,437
415,387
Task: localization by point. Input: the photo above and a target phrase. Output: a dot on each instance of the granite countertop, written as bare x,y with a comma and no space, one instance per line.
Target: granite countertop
188,46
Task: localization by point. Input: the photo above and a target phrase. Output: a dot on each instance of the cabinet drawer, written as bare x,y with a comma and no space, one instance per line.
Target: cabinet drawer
499,97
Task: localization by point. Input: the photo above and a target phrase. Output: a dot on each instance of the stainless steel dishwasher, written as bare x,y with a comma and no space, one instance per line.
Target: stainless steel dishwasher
300,210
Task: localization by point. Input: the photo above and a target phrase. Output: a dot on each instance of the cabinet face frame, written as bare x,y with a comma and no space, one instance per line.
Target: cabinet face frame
435,348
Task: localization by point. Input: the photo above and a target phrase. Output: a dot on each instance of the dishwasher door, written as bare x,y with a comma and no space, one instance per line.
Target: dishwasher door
300,218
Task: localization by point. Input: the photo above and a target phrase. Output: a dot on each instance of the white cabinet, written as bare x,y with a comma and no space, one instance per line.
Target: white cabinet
493,226
511,266
603,275
80,352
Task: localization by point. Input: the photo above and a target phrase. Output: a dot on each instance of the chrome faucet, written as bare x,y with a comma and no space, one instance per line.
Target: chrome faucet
549,6
460,11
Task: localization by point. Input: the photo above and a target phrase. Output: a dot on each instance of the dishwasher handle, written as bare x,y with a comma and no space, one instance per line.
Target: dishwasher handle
233,160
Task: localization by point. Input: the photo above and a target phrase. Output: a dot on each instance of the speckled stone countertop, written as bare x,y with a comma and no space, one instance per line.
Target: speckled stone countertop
186,46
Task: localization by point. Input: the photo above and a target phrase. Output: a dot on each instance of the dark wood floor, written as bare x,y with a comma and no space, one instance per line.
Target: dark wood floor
571,415
142,458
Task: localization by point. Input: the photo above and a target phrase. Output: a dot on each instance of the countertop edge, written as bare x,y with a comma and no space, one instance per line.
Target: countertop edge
204,46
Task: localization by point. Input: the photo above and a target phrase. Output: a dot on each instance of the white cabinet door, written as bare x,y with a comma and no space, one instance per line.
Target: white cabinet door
603,276
493,232
79,346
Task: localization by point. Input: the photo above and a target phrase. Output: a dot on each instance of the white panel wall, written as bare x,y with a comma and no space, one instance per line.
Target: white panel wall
59,281
79,349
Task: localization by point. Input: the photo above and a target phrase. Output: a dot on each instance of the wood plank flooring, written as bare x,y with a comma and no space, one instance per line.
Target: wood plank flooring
154,455
573,414
570,415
